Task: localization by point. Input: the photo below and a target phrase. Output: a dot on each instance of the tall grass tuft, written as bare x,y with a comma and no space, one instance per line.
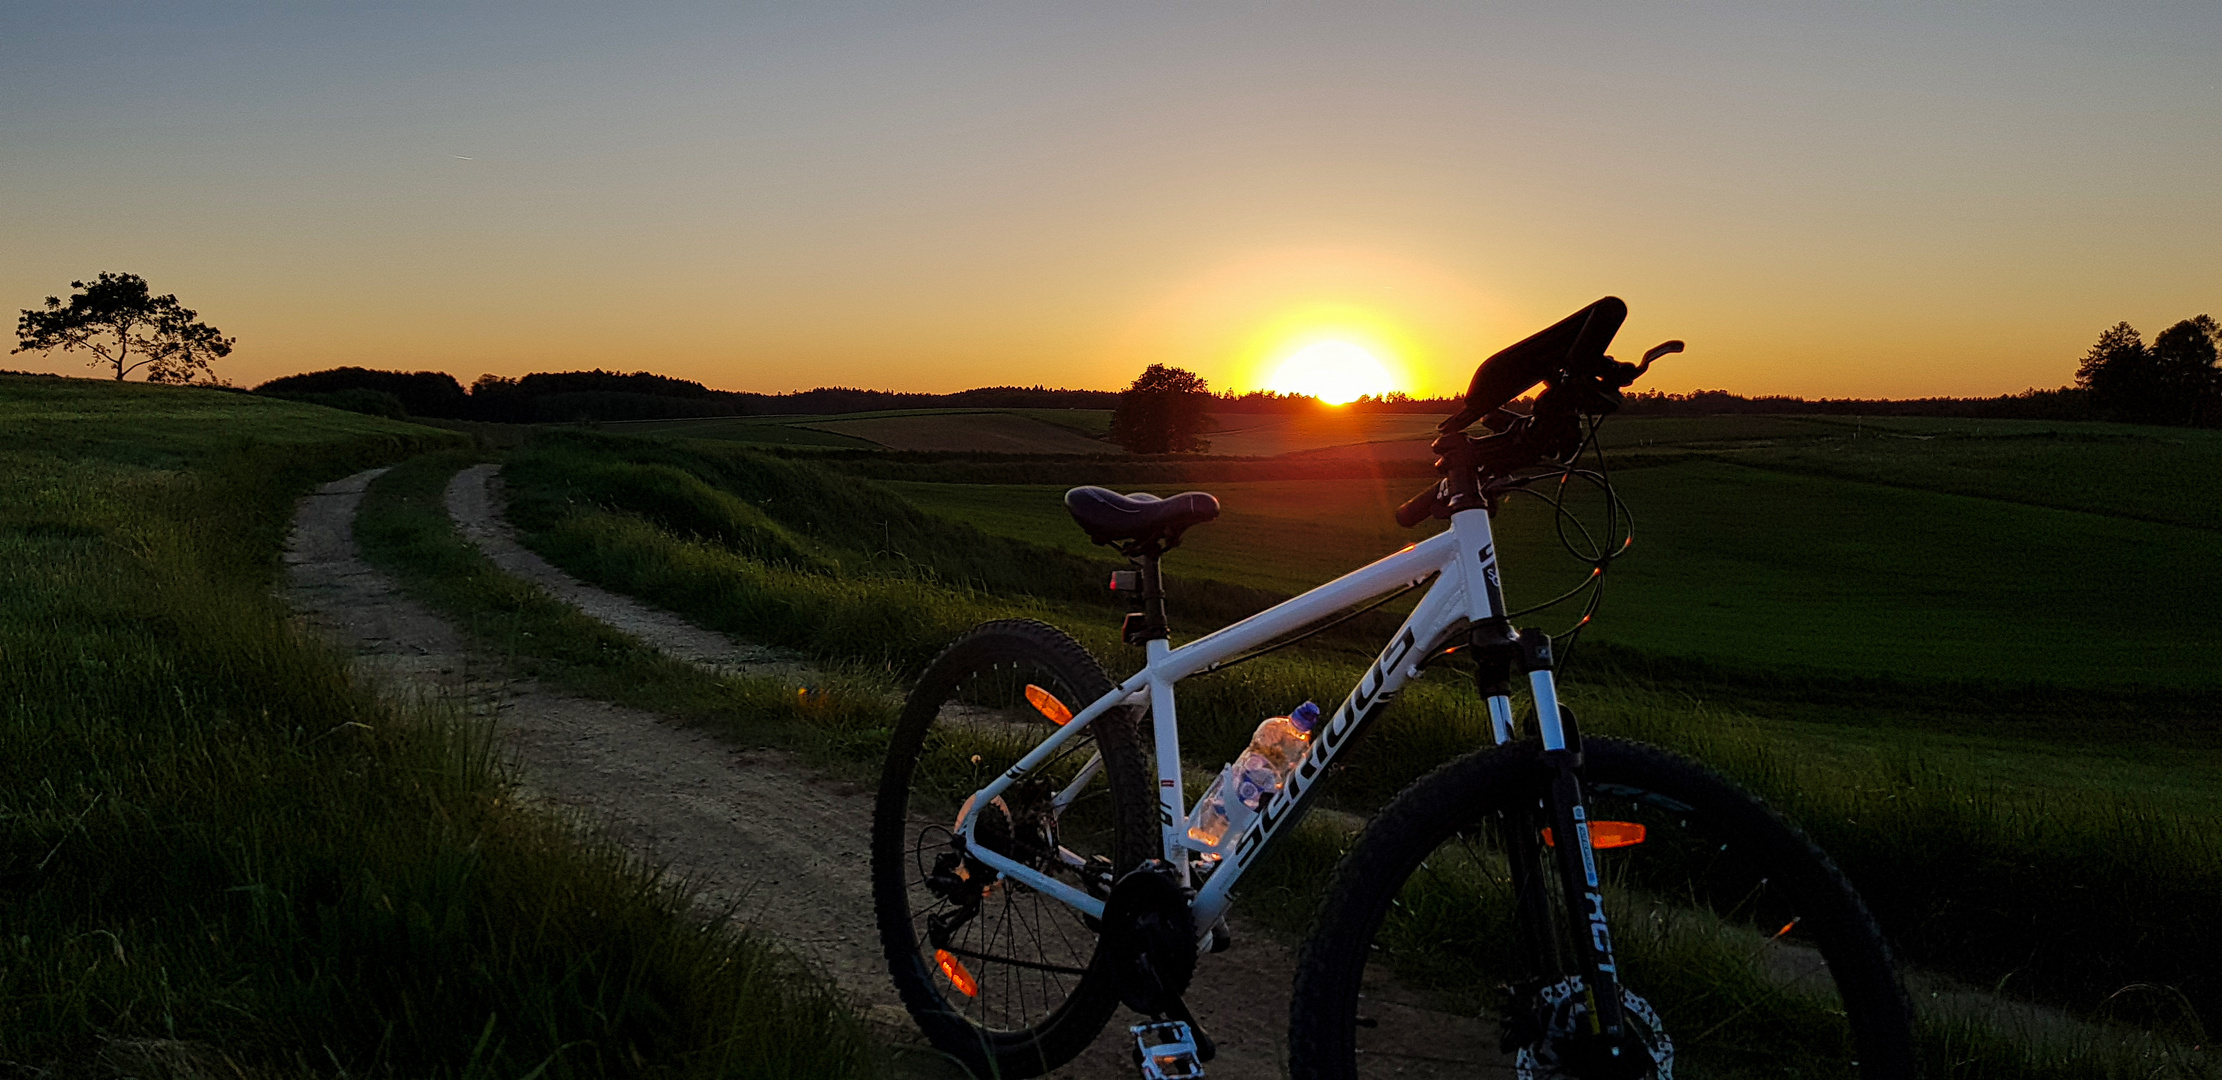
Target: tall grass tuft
404,528
220,851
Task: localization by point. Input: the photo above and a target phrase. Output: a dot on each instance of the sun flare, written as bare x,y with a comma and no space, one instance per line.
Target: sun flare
1336,372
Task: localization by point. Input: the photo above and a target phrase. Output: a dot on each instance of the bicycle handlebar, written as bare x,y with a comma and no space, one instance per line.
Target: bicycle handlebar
1570,357
1572,346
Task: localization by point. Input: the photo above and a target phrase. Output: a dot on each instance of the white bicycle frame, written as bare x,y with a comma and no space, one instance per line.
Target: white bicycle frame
1465,593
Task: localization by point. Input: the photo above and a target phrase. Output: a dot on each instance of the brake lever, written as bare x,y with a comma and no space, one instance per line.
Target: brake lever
1619,375
1653,353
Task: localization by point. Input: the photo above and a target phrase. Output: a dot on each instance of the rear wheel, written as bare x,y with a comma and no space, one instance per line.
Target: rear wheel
1742,951
1001,976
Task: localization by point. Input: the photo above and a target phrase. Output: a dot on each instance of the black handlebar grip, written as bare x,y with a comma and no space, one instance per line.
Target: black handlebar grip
1420,507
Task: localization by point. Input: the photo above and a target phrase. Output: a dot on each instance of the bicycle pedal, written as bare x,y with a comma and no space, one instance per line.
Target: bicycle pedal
1166,1050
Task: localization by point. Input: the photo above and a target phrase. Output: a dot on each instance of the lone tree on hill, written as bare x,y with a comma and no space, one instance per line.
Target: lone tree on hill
125,328
1163,412
2173,381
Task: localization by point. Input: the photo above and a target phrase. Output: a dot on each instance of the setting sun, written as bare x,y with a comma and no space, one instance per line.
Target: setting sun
1336,372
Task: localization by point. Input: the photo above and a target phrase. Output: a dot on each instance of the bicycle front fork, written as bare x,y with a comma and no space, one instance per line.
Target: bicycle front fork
1557,824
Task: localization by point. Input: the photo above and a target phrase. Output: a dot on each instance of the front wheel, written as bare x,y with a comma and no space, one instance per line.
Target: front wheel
1742,950
999,975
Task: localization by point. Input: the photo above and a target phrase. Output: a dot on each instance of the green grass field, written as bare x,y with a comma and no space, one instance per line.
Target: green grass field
761,430
2007,833
983,432
222,855
1268,434
994,431
1782,550
1094,423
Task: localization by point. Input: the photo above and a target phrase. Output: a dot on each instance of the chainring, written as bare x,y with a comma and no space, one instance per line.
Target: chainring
1151,937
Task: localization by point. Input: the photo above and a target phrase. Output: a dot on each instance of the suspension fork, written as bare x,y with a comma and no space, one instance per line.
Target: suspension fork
1520,834
1563,807
1520,830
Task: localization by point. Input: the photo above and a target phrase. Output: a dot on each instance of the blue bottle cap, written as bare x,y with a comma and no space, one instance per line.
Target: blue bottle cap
1306,717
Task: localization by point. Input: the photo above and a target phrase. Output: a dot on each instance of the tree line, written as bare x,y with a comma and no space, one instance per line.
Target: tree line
127,329
558,397
2173,381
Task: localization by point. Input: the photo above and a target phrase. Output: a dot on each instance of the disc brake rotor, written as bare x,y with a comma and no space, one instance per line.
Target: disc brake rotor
1556,1033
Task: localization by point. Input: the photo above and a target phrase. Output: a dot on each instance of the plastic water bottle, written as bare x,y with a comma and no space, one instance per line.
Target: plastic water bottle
1241,788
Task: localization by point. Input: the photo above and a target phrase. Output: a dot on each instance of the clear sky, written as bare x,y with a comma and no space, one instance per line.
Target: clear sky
1823,198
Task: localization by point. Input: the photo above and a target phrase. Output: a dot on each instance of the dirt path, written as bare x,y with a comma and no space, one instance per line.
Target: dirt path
474,498
723,818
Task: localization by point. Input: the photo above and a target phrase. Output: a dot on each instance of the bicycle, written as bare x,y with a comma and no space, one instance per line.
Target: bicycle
1028,881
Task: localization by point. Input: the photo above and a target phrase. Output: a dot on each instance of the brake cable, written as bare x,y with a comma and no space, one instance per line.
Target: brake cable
1617,519
1616,512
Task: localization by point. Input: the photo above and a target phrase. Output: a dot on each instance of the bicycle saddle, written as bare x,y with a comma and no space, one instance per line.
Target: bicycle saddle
1111,518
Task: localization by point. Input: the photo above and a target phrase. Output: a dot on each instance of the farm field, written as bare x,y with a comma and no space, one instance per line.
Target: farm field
1270,434
1040,431
998,431
765,430
1094,423
2118,470
2145,474
1755,555
985,432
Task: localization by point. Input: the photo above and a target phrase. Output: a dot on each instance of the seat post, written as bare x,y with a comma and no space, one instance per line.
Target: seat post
1148,624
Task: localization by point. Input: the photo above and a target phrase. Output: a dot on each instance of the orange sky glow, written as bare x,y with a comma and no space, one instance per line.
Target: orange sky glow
1826,202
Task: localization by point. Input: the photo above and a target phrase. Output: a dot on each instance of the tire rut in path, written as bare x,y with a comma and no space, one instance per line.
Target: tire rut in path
474,500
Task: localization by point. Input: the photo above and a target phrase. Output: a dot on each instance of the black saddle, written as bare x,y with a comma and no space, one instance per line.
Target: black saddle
1138,521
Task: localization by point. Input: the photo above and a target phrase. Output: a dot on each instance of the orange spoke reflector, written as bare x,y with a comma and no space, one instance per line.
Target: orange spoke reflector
1606,834
1047,704
1786,927
953,970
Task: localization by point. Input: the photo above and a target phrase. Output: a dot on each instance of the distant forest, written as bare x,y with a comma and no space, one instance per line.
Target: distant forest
595,396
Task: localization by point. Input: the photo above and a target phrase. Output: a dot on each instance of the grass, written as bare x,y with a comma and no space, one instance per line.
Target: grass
1094,423
766,430
2065,893
1747,566
219,853
934,425
2119,470
1315,532
404,528
997,432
